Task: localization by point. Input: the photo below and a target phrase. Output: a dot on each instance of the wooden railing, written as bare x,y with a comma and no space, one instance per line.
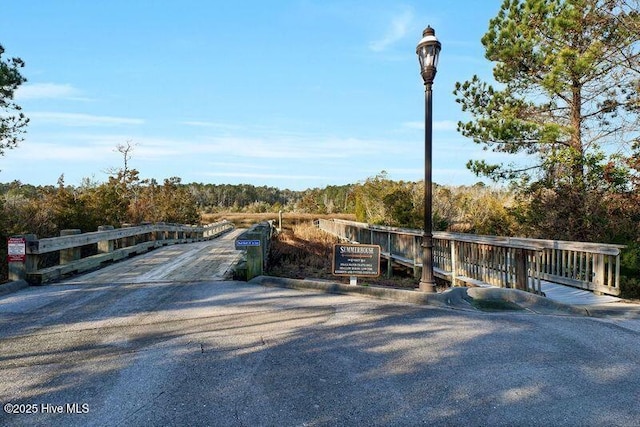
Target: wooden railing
488,260
79,252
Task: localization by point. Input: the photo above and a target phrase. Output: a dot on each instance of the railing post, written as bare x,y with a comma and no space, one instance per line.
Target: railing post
417,273
454,263
256,254
128,241
389,263
71,254
504,275
144,237
521,269
105,246
163,234
537,286
598,273
617,278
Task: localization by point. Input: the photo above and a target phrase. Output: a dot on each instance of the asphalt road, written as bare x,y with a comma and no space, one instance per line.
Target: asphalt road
234,354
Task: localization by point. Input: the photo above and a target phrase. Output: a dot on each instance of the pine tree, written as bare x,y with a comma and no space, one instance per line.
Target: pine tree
567,76
12,120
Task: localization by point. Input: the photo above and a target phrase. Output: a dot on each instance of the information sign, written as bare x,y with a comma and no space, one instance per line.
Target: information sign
356,260
16,249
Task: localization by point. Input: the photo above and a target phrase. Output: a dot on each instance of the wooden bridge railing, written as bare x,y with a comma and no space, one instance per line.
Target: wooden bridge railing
499,261
79,252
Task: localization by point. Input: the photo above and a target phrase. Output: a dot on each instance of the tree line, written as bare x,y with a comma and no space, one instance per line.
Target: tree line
125,198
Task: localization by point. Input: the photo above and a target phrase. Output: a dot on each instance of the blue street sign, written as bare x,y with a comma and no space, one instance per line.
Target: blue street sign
247,242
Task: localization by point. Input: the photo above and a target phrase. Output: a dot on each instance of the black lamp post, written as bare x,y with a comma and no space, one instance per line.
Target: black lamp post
428,51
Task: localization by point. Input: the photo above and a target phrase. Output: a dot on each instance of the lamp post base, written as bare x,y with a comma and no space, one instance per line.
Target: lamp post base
427,287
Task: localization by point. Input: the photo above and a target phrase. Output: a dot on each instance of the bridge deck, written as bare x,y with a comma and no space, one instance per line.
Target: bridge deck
207,260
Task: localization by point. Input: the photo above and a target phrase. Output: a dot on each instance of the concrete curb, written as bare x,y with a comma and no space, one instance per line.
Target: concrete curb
451,298
455,298
527,301
7,288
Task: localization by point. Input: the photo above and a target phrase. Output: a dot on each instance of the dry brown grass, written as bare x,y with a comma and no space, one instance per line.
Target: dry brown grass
302,251
305,252
289,219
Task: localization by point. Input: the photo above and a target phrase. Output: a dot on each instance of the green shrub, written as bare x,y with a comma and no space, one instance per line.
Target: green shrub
630,287
630,271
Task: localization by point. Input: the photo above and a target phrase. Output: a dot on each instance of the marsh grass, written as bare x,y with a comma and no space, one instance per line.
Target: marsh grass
302,251
305,252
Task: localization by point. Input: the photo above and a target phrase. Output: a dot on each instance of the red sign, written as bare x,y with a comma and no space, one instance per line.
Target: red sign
16,249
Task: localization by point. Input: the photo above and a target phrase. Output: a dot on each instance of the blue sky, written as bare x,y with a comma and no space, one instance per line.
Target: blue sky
293,93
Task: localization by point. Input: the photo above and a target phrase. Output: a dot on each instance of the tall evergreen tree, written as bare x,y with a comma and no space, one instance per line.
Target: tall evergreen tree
568,78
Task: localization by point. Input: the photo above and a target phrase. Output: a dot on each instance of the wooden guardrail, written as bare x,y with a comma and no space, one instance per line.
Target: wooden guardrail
489,260
79,252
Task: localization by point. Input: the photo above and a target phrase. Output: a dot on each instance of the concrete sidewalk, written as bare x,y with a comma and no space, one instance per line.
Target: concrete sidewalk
575,296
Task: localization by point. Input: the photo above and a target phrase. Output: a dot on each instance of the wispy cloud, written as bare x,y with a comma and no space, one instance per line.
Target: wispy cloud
59,152
87,147
239,165
48,91
283,147
214,125
80,120
265,175
240,151
396,30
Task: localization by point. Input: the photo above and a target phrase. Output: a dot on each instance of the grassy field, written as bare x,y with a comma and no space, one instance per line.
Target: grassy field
289,220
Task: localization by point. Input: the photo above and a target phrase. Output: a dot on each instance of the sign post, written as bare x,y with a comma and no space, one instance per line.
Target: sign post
356,261
251,243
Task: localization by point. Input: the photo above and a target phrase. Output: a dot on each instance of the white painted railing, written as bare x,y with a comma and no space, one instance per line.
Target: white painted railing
489,260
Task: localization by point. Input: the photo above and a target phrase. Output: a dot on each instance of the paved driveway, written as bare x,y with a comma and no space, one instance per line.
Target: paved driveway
234,354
